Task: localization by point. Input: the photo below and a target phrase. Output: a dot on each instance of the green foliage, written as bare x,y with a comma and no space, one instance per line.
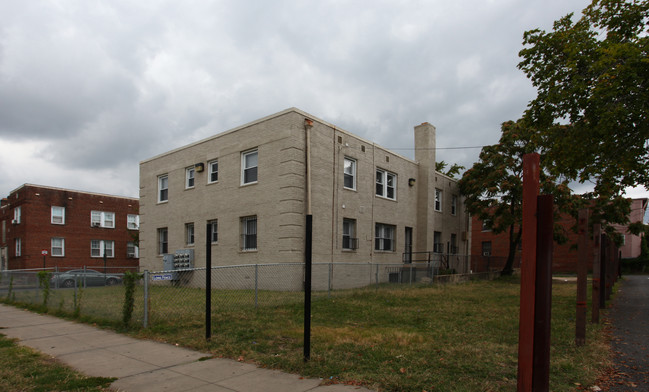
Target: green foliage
493,187
44,285
78,296
11,288
453,171
592,106
130,280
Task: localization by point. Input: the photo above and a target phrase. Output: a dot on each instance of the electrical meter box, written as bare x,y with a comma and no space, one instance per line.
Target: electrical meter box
183,259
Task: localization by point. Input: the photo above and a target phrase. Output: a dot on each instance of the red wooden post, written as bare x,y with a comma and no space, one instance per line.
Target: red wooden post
531,170
597,233
543,301
582,277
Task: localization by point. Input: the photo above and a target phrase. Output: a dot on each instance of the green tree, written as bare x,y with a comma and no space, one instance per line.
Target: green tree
453,171
493,187
592,104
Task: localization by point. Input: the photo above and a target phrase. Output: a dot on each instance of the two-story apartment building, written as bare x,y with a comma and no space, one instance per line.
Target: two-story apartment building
47,227
251,188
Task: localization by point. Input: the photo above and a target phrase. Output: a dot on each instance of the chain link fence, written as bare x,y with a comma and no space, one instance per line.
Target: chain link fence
168,297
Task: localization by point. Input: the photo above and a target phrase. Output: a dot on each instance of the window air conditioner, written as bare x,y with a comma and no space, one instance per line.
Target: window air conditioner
96,224
14,221
130,255
487,254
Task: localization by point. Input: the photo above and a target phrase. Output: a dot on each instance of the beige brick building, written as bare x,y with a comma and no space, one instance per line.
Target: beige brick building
253,186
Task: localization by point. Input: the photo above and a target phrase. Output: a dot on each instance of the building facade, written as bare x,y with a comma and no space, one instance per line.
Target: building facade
251,188
46,227
490,248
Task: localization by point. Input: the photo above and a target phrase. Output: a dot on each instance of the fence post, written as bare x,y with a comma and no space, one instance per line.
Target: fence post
208,281
377,276
256,284
597,228
145,322
582,272
331,269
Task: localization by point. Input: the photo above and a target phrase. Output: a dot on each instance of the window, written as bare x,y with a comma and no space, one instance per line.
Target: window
102,219
438,246
384,237
58,247
438,200
454,248
18,247
132,250
58,215
249,233
16,215
163,235
486,225
349,234
214,171
190,172
249,167
100,247
386,184
132,222
214,231
486,248
163,188
349,180
189,234
454,205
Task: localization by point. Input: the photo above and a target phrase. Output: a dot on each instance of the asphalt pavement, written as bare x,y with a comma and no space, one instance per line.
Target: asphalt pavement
142,365
629,315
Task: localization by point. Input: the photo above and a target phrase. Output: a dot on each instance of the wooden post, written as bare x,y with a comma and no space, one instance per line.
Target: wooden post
597,233
531,173
582,277
543,300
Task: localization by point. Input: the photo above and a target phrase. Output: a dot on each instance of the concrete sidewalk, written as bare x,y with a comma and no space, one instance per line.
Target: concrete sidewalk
142,365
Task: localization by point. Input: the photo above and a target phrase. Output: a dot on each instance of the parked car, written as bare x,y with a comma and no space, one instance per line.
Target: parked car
89,276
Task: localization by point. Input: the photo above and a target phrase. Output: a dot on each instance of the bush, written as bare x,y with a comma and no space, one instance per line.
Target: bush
130,279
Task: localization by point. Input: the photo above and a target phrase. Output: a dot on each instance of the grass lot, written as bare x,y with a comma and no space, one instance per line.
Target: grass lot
435,338
22,369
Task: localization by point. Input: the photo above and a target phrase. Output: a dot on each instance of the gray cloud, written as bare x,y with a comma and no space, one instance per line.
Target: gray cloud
88,89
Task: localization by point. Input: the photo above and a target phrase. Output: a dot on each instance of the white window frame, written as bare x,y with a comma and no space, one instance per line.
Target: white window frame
349,171
163,188
17,214
214,231
104,219
97,248
247,166
213,170
438,244
57,243
438,200
454,200
190,177
133,222
163,240
349,234
132,250
18,247
249,233
384,237
58,215
386,183
189,234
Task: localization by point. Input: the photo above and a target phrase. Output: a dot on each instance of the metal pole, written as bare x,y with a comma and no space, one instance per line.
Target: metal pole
331,269
208,281
531,175
582,272
543,300
307,287
597,228
145,322
256,284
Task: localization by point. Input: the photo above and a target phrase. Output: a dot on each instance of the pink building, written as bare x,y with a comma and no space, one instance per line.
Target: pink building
631,245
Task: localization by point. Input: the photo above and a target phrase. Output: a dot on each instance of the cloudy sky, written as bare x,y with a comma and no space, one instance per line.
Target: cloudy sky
90,88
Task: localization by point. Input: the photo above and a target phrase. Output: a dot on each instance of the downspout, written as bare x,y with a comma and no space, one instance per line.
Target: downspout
308,124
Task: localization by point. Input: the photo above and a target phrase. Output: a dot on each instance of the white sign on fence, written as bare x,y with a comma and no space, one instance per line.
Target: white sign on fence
162,277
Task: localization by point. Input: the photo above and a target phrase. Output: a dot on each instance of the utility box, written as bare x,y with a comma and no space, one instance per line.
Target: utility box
183,259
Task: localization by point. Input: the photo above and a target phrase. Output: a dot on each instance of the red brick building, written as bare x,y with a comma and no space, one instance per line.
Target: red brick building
73,229
488,247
